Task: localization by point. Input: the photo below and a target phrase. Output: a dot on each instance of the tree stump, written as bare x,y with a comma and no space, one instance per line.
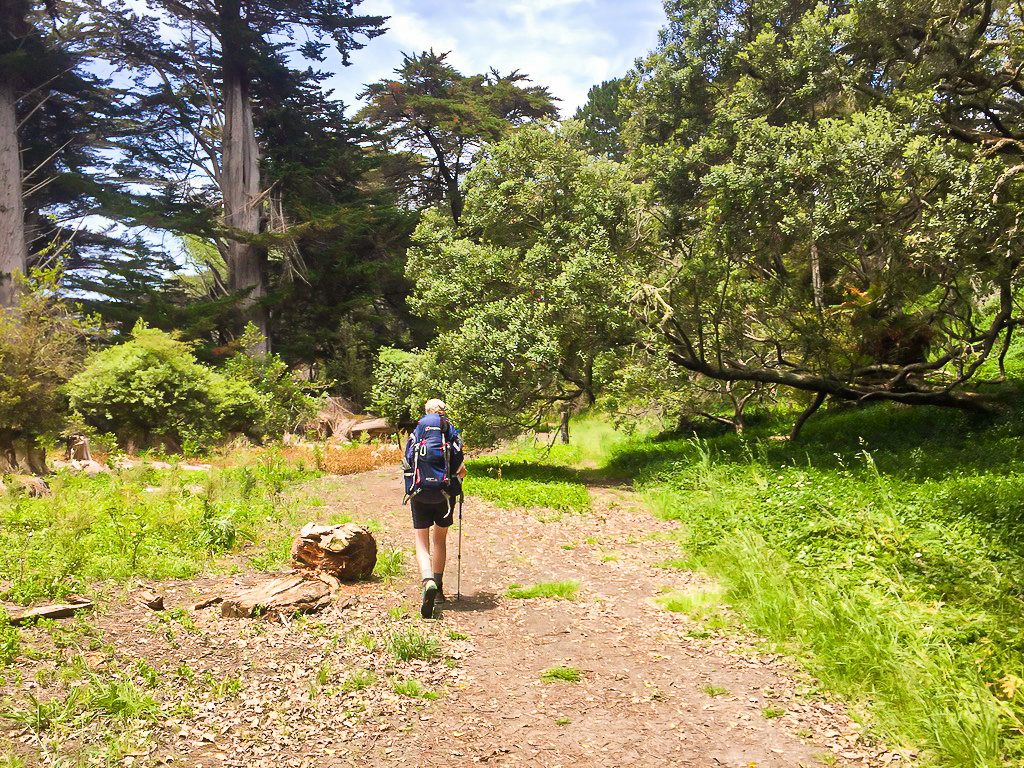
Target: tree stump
78,448
285,596
348,552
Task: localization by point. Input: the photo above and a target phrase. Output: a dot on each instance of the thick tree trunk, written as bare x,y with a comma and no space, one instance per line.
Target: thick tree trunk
13,250
347,551
240,179
20,453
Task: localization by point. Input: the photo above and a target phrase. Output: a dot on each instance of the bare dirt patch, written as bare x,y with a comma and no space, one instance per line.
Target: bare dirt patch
340,688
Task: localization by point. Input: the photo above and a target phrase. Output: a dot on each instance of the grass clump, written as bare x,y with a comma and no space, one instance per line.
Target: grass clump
561,675
412,688
412,643
715,690
566,590
390,564
357,680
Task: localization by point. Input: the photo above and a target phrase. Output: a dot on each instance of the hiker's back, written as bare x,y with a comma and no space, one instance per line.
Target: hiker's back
432,454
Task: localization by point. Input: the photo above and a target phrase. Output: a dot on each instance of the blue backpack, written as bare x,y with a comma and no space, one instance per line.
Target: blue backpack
433,450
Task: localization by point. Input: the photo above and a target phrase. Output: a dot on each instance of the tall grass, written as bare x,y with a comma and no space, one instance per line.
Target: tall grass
885,549
142,523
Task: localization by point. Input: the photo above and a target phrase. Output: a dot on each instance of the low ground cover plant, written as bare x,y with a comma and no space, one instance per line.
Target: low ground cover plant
561,675
886,548
566,590
145,523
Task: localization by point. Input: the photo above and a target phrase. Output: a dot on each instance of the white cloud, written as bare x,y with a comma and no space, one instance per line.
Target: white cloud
566,45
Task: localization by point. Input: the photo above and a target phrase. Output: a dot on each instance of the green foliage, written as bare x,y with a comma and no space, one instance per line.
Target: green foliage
357,680
401,384
413,643
10,640
284,401
390,564
522,483
142,523
565,590
561,675
435,119
413,688
42,345
602,122
152,389
556,234
537,475
822,228
885,549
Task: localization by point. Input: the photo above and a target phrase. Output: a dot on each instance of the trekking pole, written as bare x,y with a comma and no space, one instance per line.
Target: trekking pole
458,572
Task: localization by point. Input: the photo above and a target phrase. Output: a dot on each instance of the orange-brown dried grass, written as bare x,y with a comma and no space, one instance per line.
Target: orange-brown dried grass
348,459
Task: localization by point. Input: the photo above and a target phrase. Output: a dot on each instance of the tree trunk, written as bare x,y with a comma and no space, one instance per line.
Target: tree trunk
816,284
240,179
563,430
20,453
347,551
13,250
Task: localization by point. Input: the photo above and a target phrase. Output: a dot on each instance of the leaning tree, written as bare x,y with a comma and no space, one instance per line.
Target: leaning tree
821,234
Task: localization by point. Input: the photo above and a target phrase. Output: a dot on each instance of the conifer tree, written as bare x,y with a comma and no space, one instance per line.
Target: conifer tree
435,118
230,59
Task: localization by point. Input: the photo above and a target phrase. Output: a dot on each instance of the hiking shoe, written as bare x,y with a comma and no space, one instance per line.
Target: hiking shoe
440,596
429,596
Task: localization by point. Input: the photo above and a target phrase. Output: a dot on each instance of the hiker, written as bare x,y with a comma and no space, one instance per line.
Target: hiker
434,469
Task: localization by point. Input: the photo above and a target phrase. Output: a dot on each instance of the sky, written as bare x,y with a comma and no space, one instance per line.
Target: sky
566,45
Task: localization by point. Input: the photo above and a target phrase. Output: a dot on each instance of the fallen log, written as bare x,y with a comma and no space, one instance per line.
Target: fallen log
347,552
285,596
57,611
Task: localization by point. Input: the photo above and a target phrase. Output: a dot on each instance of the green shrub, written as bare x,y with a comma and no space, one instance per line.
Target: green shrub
152,391
400,384
42,344
284,402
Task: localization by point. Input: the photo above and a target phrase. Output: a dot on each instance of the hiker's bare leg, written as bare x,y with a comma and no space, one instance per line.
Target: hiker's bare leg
423,552
439,553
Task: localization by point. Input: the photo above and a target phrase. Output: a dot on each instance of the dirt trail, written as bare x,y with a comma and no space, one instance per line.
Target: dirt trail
642,699
657,688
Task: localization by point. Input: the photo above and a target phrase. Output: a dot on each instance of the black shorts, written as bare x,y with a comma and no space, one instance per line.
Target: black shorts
428,513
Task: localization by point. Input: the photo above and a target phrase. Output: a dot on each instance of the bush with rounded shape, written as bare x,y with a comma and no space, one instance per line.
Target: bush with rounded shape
151,391
401,384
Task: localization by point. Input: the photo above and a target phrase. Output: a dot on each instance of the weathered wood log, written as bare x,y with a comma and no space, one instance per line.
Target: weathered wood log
58,611
284,596
348,552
